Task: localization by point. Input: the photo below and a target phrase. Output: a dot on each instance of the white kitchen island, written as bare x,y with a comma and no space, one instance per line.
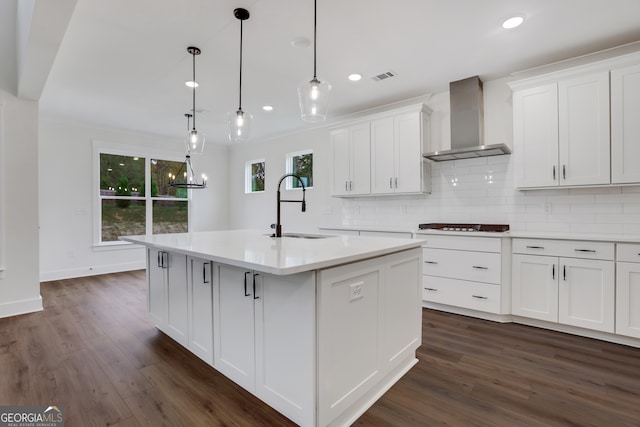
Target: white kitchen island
318,328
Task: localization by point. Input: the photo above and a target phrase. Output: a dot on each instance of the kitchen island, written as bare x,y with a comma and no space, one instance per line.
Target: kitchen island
317,327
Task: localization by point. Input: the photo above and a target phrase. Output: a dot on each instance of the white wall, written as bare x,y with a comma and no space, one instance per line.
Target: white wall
67,199
484,190
19,282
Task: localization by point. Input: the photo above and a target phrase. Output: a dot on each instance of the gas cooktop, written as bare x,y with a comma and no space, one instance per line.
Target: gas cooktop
491,228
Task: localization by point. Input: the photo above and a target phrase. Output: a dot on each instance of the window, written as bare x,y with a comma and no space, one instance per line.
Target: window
134,196
300,163
254,176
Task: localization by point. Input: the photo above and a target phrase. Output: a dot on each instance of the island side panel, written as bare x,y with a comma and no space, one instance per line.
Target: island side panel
368,332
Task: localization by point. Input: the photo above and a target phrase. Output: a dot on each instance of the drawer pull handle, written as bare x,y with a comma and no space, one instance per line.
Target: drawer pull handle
431,289
564,272
553,272
535,247
431,262
586,250
479,297
479,267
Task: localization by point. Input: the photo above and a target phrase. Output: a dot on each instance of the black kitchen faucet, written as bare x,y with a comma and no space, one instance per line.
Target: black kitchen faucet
278,225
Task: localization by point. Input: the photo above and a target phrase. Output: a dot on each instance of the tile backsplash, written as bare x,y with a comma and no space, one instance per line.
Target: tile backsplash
482,191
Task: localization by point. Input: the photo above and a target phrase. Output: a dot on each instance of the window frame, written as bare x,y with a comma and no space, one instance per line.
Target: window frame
289,168
98,148
248,176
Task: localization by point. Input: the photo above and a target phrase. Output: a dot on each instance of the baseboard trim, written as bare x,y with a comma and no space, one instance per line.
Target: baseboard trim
71,273
16,308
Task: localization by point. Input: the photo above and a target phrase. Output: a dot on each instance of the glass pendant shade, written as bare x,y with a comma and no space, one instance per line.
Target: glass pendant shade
195,142
239,125
314,100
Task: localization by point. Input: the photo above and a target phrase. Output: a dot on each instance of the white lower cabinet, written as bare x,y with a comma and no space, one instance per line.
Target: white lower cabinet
201,308
628,290
167,298
366,333
466,272
570,282
256,343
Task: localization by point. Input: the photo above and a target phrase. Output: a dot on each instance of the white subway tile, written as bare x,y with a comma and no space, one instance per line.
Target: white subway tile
597,228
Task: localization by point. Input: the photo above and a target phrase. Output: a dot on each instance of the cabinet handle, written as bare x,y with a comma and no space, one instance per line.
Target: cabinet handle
165,259
564,172
350,185
553,272
586,250
396,182
391,183
245,284
431,289
254,286
535,247
346,186
564,272
554,172
479,297
431,262
159,262
479,267
204,272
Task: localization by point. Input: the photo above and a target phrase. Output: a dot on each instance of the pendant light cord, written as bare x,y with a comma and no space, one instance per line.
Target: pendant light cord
194,89
315,12
240,85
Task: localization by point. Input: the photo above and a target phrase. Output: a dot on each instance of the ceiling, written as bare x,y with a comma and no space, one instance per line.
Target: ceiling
123,63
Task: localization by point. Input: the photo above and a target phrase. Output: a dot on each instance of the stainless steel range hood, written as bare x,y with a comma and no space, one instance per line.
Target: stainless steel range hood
467,124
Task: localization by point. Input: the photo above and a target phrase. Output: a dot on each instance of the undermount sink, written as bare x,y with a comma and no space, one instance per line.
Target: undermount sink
304,236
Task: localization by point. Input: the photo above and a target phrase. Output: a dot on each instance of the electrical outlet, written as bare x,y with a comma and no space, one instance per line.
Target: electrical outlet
355,291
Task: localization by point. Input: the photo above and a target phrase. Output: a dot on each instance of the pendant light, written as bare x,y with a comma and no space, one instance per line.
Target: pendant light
314,94
195,139
186,177
239,121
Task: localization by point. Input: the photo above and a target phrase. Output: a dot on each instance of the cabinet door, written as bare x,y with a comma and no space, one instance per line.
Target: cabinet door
157,291
177,301
583,106
234,353
341,161
360,159
201,309
285,349
587,294
625,125
628,299
408,153
535,136
534,291
382,156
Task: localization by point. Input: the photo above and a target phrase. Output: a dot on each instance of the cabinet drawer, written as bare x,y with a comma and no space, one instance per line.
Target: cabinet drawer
565,248
628,252
467,243
465,265
461,293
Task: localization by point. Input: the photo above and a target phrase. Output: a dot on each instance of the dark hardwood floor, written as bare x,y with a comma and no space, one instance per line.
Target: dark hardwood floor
93,351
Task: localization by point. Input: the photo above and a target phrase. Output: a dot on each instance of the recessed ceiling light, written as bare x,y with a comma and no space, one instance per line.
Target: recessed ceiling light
191,83
267,107
513,22
355,77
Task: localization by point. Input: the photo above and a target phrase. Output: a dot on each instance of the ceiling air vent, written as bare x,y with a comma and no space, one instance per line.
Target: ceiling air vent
384,76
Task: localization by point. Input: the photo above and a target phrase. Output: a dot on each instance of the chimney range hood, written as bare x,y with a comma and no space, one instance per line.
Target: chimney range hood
467,126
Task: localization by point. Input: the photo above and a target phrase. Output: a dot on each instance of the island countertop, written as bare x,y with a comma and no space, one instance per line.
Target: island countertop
256,250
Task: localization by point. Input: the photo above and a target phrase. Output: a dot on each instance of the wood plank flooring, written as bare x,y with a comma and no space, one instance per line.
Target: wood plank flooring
93,351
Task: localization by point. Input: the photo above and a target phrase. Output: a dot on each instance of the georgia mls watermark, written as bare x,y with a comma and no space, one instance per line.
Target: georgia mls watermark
31,416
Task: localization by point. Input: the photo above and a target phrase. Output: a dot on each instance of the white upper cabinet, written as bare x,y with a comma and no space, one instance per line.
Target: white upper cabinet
578,126
351,160
561,132
382,154
583,107
535,127
625,125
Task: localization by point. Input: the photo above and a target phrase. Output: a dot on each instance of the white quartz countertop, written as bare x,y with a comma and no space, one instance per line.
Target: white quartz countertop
622,238
256,250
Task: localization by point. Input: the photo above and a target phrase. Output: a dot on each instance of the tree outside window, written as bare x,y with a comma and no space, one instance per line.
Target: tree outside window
300,163
254,176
